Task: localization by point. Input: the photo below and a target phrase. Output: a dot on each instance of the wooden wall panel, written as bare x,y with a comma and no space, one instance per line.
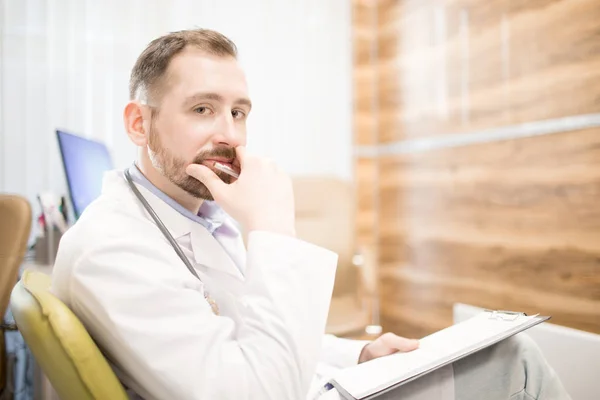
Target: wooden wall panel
365,78
510,225
504,224
367,207
365,107
471,64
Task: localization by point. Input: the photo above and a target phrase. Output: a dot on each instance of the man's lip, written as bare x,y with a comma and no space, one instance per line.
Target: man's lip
221,160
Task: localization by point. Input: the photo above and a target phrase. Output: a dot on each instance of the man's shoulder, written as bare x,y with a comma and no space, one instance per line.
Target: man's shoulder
107,228
105,218
106,222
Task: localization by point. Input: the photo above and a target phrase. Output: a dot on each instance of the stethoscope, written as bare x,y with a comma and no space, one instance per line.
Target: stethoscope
169,237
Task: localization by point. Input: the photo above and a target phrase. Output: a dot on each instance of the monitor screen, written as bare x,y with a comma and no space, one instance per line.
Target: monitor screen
85,162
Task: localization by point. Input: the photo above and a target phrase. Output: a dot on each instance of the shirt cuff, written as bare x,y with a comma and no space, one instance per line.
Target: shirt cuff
340,352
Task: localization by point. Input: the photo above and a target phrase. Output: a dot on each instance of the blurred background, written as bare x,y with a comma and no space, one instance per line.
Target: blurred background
477,148
66,64
449,150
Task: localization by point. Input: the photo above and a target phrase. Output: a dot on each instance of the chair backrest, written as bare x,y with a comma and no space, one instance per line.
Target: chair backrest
60,344
325,217
15,226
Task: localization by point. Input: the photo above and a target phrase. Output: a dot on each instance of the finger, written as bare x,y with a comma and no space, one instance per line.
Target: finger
207,176
381,350
240,153
399,343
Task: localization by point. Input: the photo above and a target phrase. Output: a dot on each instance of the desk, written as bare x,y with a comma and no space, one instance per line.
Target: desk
42,388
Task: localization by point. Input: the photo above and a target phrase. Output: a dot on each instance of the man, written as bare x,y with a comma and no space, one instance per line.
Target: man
238,324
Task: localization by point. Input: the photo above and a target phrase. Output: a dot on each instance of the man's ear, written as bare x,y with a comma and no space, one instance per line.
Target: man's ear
136,117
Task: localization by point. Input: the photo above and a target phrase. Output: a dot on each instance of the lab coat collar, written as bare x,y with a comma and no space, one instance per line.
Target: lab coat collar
207,251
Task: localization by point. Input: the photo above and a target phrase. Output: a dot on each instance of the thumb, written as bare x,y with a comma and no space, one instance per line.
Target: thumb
399,343
240,154
205,175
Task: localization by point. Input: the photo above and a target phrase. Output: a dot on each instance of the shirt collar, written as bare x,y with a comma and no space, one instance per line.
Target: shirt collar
206,248
210,215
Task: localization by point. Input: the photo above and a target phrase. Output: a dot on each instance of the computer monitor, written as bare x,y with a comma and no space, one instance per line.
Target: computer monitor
85,162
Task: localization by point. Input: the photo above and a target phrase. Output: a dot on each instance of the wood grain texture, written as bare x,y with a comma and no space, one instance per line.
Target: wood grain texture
509,225
512,224
448,66
367,202
365,78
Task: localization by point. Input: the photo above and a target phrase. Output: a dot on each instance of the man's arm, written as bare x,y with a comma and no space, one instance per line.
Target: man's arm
343,353
167,339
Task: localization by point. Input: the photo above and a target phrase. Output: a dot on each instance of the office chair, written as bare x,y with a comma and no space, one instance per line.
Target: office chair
15,215
60,344
325,216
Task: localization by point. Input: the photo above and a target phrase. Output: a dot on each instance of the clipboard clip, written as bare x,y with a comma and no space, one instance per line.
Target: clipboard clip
505,315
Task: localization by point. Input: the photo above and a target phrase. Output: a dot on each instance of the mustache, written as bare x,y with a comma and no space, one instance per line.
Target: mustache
218,152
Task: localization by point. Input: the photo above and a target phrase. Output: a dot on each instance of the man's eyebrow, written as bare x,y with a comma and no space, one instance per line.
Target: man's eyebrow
203,96
244,101
216,97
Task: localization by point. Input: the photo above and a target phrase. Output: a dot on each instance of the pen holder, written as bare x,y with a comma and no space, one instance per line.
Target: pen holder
46,247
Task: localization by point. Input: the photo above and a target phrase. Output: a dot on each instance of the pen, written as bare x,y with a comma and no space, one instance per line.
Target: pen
45,225
226,169
324,389
63,208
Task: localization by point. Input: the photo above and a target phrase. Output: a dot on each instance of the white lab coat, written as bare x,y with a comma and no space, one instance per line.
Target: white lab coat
147,312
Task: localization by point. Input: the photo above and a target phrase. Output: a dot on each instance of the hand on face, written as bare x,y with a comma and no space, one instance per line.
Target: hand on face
387,344
261,198
225,156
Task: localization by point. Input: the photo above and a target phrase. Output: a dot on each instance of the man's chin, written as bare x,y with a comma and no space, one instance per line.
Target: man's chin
195,189
198,189
201,194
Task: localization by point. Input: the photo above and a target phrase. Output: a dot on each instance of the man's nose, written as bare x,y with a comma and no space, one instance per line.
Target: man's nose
227,133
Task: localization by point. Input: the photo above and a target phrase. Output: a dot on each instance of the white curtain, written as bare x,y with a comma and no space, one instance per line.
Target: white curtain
66,64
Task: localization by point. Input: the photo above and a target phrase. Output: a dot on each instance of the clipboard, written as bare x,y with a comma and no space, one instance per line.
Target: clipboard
369,380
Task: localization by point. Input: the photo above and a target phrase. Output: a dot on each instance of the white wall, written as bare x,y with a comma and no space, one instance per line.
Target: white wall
66,63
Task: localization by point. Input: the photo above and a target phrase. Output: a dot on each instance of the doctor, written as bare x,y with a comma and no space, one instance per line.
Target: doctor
158,273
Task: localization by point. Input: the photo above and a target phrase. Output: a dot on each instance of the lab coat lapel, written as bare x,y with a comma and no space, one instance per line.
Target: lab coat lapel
208,252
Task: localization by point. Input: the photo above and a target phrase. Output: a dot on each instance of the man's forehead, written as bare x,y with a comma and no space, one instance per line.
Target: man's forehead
195,70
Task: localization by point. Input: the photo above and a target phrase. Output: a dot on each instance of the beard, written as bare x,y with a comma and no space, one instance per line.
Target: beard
173,167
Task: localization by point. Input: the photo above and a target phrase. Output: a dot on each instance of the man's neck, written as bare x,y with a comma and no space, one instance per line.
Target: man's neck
188,201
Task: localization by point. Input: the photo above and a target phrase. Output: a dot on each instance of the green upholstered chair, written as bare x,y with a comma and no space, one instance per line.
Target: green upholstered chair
60,344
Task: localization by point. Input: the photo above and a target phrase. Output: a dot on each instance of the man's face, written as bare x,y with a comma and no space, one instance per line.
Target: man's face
200,118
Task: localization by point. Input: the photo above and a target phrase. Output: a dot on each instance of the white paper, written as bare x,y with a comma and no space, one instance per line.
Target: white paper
434,350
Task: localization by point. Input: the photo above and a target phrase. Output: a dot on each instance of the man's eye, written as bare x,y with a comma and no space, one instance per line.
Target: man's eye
201,110
237,114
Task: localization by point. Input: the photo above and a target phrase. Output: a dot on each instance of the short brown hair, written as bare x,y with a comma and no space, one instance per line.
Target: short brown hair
152,64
